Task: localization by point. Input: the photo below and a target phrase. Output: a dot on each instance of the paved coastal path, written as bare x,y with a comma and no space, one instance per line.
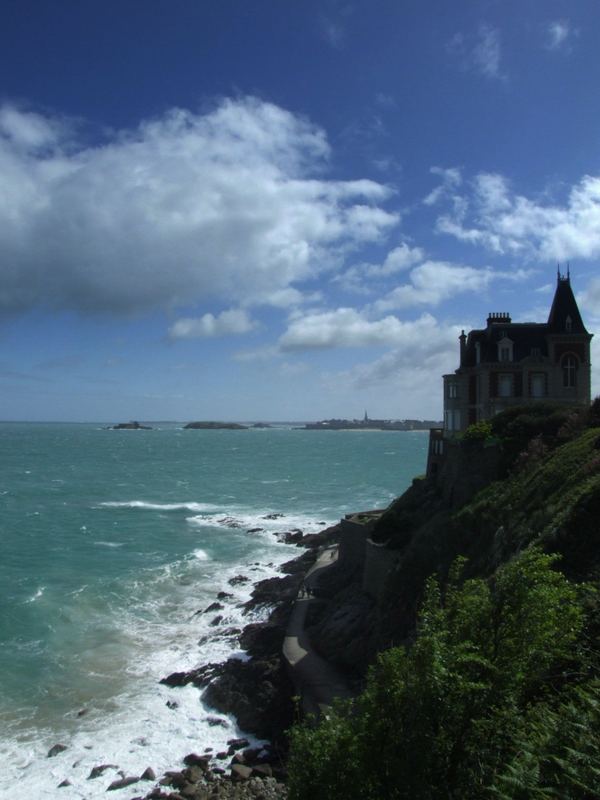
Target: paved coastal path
315,679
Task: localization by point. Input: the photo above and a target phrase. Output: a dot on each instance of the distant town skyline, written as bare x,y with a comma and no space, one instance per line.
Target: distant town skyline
284,211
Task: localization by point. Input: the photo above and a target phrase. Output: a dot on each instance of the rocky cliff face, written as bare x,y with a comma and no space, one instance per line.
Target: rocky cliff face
536,481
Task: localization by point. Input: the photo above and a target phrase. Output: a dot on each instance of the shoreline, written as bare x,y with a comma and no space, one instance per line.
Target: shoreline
252,760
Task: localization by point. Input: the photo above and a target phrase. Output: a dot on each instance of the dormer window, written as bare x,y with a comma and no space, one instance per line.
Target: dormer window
568,324
478,352
505,349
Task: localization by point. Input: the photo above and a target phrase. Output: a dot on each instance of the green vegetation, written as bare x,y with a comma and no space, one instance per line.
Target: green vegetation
479,706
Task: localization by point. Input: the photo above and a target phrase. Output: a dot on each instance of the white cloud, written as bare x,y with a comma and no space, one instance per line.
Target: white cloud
428,350
590,297
451,180
559,34
487,52
481,52
230,204
507,223
26,130
346,327
234,321
435,281
399,259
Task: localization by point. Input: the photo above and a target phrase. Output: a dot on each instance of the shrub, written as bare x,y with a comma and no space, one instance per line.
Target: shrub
444,718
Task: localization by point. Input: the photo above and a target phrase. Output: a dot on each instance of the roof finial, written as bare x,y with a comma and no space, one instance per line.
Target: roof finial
557,270
568,271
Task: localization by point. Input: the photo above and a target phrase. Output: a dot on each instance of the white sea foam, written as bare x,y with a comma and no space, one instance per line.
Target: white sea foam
201,555
35,596
109,544
166,628
196,507
259,521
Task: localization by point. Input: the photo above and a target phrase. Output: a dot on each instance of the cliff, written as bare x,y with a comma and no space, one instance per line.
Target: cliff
529,478
473,627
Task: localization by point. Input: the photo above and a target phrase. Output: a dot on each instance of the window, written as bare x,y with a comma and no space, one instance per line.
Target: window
505,349
535,352
505,385
478,352
569,371
568,324
538,384
452,391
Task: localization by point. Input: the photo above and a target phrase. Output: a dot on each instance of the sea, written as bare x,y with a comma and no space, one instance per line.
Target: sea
113,543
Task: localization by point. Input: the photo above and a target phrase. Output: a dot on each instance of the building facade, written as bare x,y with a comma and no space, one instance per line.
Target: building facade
512,363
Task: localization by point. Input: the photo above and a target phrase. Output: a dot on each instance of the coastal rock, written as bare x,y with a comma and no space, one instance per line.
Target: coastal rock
238,744
238,579
213,607
272,590
257,693
217,721
99,770
194,760
55,750
291,537
64,783
121,783
301,564
262,639
148,775
239,772
224,595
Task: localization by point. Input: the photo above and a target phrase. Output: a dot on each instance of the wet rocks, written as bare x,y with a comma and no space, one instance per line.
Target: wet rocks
55,750
121,783
99,770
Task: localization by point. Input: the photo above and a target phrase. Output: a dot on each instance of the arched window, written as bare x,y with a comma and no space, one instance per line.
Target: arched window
569,370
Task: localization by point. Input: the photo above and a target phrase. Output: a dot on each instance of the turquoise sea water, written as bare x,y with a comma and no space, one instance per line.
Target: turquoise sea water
111,541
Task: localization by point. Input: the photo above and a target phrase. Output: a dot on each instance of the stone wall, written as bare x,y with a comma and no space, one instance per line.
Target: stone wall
379,561
466,469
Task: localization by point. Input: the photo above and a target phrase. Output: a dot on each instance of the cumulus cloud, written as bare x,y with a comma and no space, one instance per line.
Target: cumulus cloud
359,277
231,203
435,281
347,327
234,321
493,216
481,52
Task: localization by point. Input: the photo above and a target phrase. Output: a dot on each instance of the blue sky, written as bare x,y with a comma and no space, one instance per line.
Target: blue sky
284,210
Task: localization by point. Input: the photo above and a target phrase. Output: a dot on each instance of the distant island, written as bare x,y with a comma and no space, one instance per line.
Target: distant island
230,426
129,426
367,424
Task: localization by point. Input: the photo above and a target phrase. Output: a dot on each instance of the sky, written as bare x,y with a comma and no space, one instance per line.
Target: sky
284,209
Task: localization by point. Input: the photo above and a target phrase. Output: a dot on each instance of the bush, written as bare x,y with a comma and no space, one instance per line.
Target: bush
444,718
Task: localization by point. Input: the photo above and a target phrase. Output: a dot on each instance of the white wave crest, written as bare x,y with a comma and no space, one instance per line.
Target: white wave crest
35,596
198,508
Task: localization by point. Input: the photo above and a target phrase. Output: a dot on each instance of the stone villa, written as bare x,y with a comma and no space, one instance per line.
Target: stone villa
514,363
511,363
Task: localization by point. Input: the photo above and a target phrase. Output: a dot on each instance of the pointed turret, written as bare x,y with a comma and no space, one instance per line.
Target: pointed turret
564,315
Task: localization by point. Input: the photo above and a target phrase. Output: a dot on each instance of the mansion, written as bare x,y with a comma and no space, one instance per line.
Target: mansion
514,363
